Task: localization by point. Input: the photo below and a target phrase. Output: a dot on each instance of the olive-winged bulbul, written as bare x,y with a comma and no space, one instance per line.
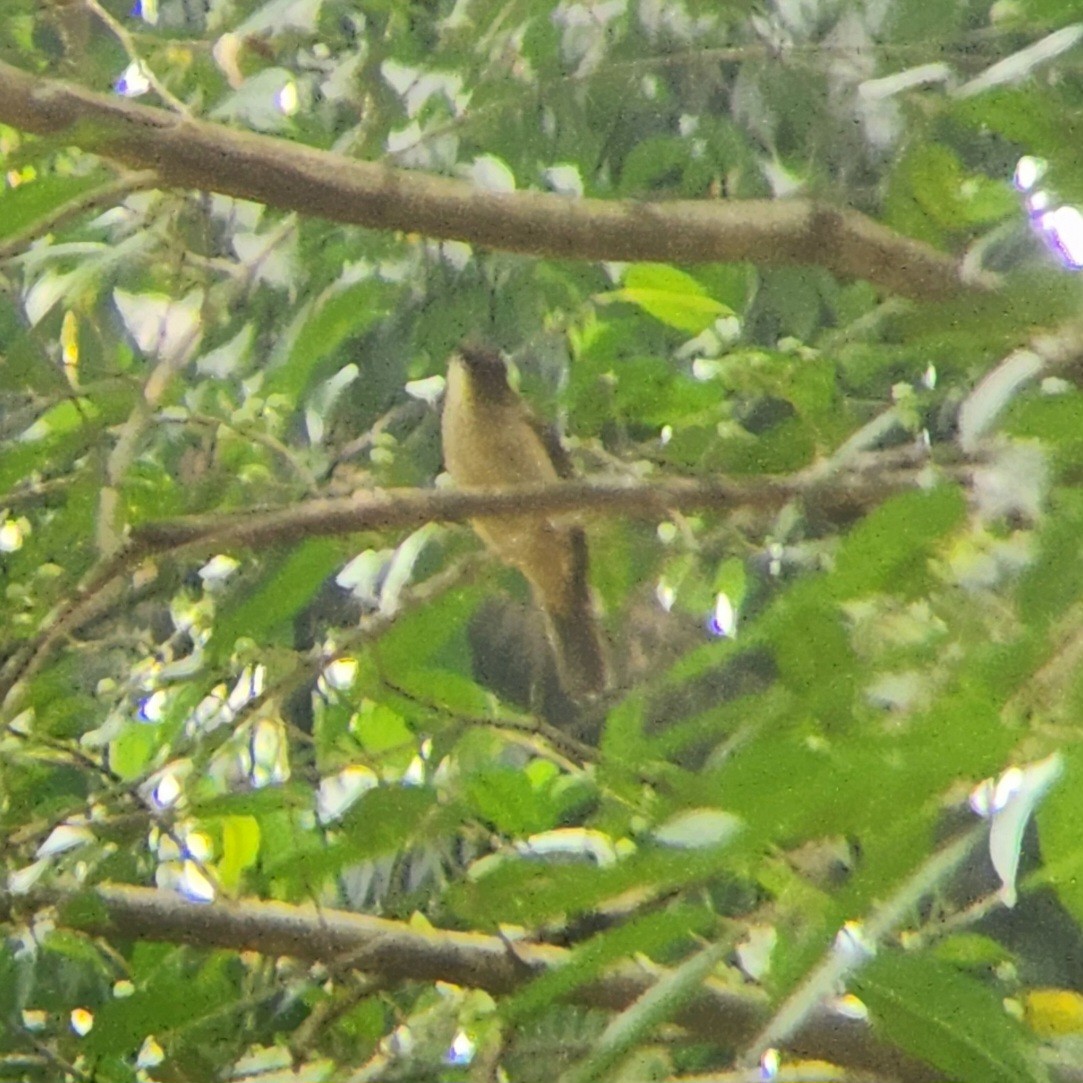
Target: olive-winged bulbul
490,440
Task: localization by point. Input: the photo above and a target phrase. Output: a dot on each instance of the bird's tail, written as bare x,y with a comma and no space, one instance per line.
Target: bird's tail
580,657
576,631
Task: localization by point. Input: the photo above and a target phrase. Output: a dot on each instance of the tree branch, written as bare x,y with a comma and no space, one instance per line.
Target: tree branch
195,154
396,951
866,482
864,485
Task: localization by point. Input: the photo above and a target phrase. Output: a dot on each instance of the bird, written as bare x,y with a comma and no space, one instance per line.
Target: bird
491,440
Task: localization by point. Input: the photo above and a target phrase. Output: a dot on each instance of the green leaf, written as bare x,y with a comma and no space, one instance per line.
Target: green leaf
1054,581
666,164
451,692
954,1022
421,635
240,849
13,988
381,729
794,297
532,891
22,206
77,947
669,295
658,1005
132,749
653,164
502,796
649,934
85,910
62,419
889,549
815,658
337,316
261,802
384,821
282,592
179,994
915,21
925,199
61,439
1055,419
971,951
1058,825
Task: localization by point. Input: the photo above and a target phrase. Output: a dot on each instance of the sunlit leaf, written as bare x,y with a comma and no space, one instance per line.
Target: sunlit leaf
669,295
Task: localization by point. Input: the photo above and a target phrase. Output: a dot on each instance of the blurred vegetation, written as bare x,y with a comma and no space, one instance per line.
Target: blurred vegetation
804,695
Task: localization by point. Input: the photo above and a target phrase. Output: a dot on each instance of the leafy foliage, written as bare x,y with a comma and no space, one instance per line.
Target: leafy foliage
805,690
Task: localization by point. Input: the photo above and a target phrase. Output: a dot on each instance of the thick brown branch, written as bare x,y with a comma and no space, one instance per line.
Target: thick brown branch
396,951
187,153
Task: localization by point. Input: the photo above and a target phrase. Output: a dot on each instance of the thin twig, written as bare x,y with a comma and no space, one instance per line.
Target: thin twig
128,45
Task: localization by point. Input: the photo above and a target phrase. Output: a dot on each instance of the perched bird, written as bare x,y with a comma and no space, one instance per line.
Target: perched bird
490,440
